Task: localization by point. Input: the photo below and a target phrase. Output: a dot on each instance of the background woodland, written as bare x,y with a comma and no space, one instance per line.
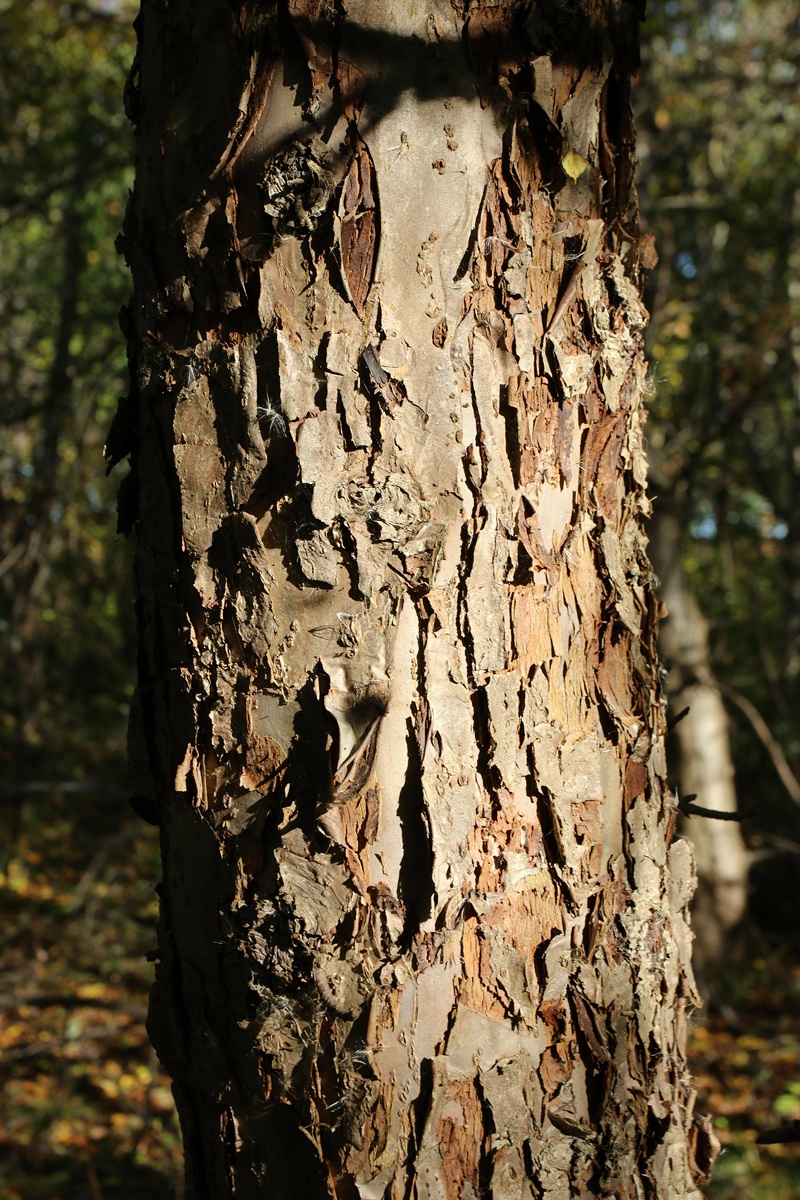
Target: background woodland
86,1111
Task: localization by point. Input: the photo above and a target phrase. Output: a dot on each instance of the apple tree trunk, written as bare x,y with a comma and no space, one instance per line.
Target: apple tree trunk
423,933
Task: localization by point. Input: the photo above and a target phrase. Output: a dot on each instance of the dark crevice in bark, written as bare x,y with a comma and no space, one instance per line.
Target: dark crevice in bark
499,226
527,1158
553,848
490,775
657,1128
294,57
314,756
565,31
268,381
373,400
469,254
551,364
330,1100
296,523
594,915
584,327
539,957
523,574
573,249
485,1154
590,1050
191,1129
469,541
196,614
349,548
617,138
547,823
510,417
476,488
322,248
617,309
541,143
346,930
608,724
416,868
292,1166
419,1109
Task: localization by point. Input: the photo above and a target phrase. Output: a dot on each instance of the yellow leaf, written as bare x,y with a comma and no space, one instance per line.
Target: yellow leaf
574,165
90,991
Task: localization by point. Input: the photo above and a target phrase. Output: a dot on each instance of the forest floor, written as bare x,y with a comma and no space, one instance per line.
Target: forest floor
86,1112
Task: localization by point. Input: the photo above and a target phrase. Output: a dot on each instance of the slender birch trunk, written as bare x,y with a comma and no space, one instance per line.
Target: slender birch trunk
422,930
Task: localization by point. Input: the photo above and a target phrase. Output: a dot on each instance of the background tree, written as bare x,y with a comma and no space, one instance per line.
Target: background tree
422,928
719,133
707,779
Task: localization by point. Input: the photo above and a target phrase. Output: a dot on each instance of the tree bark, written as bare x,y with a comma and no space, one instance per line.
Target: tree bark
422,930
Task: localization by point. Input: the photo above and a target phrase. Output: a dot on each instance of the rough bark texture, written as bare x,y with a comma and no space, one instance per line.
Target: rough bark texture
423,933
706,763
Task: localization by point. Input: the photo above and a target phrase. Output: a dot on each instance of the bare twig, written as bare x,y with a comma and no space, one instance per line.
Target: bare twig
770,743
790,1132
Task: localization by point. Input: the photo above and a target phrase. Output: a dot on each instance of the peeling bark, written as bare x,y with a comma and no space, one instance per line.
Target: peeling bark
422,931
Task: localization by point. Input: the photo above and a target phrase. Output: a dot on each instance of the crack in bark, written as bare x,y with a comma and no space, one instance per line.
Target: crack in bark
415,880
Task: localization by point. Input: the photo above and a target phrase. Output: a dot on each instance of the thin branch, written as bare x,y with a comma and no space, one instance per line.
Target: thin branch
717,814
771,745
772,847
790,1132
12,557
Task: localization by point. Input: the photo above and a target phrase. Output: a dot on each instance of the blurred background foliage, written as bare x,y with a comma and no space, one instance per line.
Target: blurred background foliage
86,1111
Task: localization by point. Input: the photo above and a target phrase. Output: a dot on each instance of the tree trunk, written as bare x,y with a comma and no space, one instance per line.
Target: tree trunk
422,931
706,763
